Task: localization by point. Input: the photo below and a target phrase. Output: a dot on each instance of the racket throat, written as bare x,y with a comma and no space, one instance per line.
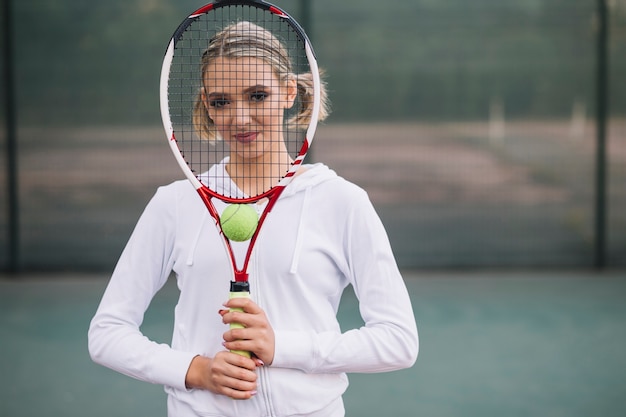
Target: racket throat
241,276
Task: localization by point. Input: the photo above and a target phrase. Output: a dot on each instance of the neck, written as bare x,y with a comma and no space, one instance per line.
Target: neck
254,176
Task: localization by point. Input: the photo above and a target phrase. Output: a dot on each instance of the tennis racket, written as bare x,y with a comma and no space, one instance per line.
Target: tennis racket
240,97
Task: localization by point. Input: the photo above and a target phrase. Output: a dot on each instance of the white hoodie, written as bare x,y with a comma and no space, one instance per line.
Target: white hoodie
322,235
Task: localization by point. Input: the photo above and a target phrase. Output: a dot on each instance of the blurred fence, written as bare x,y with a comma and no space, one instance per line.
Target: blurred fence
473,126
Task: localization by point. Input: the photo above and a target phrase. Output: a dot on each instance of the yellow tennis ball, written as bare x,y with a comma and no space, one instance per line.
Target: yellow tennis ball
239,222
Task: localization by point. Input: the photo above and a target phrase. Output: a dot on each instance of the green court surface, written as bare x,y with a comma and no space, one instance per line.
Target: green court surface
492,344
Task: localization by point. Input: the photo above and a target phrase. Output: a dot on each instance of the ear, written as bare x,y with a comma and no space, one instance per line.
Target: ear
205,103
291,92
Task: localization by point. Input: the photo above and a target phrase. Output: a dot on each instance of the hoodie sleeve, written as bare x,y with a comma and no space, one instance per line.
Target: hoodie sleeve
115,339
388,341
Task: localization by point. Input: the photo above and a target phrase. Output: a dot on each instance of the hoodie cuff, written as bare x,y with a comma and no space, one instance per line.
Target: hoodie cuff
173,369
294,350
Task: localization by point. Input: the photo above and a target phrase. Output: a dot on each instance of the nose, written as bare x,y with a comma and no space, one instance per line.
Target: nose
242,113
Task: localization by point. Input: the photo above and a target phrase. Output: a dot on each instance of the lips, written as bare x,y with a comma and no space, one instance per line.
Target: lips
246,137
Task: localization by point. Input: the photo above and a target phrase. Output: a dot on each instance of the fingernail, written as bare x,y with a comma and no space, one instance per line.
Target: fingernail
260,362
253,393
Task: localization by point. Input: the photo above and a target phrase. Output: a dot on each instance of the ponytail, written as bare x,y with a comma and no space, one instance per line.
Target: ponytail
305,101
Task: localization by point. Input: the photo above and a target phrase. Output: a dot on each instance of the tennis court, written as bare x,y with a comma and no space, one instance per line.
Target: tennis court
492,344
548,342
473,126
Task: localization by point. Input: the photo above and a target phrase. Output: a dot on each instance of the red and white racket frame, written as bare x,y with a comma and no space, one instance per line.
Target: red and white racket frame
206,194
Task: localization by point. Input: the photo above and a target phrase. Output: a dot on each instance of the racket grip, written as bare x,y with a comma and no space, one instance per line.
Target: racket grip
239,289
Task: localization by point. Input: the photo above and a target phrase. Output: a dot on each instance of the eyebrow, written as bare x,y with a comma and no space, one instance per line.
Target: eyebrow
254,88
251,89
216,95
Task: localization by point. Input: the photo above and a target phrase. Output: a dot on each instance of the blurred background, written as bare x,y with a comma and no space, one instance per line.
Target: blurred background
489,134
473,126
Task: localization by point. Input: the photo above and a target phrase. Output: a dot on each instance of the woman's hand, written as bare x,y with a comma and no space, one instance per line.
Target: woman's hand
226,374
256,336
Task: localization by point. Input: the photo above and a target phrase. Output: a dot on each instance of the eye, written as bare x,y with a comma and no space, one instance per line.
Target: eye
258,96
219,102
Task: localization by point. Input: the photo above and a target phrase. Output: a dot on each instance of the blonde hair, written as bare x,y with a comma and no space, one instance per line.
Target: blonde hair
247,40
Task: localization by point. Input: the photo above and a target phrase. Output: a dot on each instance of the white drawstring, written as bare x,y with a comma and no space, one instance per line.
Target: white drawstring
298,247
192,249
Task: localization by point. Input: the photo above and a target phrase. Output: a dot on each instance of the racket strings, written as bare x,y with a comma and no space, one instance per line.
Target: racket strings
247,121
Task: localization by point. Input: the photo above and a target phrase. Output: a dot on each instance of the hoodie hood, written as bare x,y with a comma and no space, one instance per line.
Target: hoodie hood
309,176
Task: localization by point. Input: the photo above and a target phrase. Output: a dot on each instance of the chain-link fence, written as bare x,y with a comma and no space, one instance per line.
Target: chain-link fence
473,126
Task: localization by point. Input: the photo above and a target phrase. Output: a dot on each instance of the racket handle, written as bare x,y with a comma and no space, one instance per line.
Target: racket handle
239,289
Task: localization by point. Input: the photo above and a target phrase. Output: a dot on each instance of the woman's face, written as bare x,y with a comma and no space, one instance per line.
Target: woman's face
246,101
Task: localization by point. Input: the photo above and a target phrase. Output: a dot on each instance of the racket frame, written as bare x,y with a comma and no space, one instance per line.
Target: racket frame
205,193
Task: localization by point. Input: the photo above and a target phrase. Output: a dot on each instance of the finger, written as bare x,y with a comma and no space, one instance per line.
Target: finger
243,334
242,367
237,394
242,319
241,380
238,345
238,388
248,329
244,303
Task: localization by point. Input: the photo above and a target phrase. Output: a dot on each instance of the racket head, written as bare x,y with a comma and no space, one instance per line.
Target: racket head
239,85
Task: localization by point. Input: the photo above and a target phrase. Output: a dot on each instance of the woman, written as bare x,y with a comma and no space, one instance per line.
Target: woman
322,236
